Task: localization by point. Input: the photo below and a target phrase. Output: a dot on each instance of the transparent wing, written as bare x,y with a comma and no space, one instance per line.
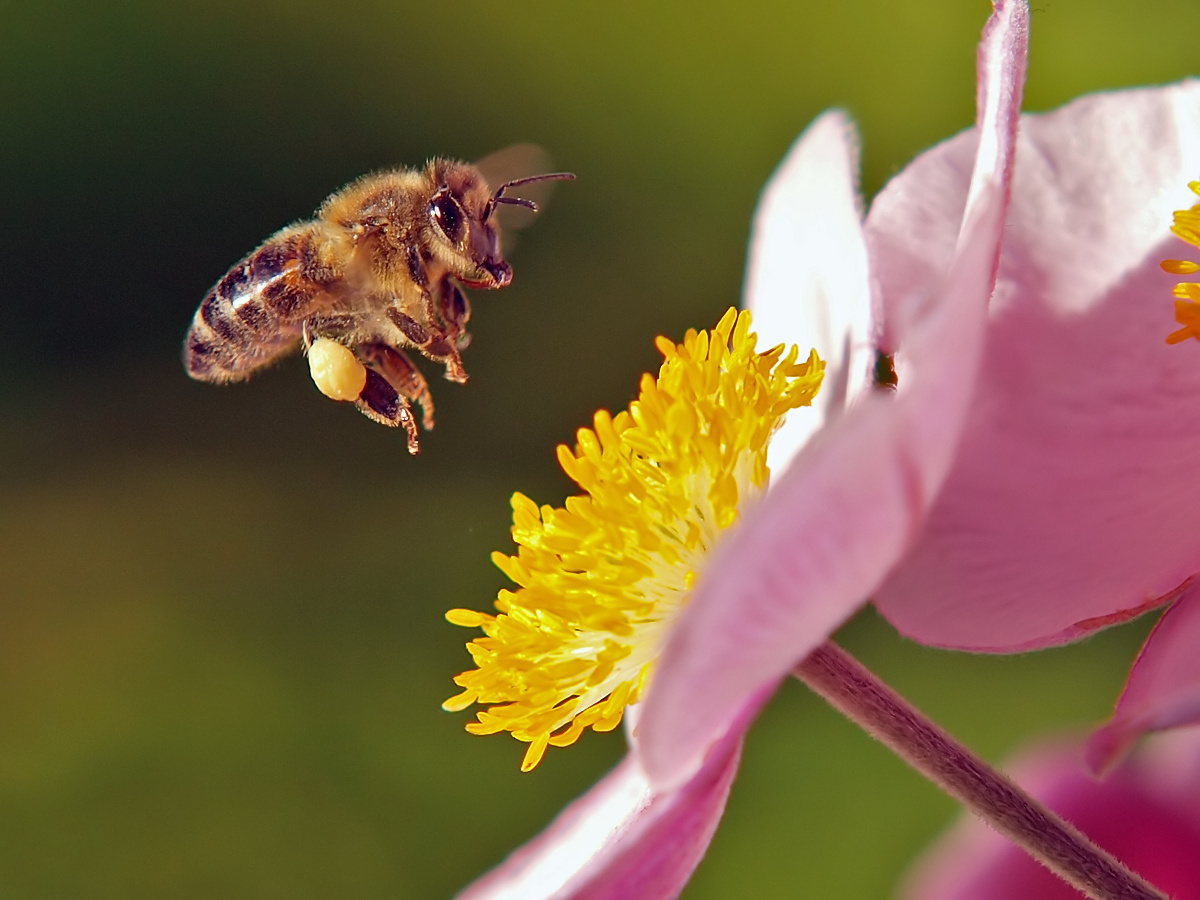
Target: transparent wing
510,164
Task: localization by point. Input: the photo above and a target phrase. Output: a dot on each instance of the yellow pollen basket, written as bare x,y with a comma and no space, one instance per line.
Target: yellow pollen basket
335,370
1187,293
601,580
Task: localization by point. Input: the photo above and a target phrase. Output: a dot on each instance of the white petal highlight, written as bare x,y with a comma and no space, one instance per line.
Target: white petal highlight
807,279
842,514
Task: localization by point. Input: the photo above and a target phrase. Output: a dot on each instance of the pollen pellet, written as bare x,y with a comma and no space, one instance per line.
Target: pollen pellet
335,370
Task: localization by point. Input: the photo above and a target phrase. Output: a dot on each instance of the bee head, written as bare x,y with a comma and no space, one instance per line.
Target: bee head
462,215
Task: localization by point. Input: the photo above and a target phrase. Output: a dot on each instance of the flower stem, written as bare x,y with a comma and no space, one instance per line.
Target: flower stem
858,694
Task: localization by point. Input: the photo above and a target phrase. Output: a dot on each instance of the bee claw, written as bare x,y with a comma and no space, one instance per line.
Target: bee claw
395,384
381,402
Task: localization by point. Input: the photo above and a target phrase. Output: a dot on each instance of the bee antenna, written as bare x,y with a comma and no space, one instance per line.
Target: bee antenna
498,197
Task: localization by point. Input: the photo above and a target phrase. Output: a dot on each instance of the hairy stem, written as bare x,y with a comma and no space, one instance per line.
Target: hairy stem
858,694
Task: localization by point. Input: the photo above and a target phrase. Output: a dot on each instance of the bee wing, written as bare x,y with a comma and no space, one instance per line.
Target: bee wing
509,164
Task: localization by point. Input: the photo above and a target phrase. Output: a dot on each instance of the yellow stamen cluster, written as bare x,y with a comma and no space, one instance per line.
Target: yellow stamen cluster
601,581
1187,293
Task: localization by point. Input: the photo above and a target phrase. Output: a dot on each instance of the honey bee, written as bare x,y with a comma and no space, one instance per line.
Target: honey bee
380,268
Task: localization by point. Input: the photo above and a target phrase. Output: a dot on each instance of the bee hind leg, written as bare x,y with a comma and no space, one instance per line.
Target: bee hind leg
394,385
381,403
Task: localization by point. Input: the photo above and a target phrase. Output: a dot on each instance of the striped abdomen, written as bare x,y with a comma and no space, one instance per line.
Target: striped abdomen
254,314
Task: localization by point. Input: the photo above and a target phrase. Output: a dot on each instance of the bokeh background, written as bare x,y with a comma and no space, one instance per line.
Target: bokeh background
222,650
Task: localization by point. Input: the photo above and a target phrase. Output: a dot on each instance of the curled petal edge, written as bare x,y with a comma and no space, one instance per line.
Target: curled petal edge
844,511
624,838
1163,689
807,281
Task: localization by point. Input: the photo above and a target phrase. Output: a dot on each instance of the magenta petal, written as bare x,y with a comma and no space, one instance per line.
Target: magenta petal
621,839
1147,814
842,513
1071,505
1163,690
806,280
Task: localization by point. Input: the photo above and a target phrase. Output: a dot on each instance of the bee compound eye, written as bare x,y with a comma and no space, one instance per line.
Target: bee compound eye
447,215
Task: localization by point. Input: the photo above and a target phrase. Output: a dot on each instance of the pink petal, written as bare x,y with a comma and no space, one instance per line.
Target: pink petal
1147,814
1072,502
806,279
621,839
1163,690
840,516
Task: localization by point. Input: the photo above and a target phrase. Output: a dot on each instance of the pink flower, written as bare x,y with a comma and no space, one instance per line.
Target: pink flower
1147,814
622,838
1069,506
865,470
856,492
1163,690
1071,503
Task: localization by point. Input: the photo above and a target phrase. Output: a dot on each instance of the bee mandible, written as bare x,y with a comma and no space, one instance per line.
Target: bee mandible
380,268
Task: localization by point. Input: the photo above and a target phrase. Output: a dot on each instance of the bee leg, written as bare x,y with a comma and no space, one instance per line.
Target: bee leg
432,340
455,312
399,371
394,374
436,337
380,402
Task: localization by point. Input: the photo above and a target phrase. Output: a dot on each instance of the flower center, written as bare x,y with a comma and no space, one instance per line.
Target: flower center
602,580
1187,293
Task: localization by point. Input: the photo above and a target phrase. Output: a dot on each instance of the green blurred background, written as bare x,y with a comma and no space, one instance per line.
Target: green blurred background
221,645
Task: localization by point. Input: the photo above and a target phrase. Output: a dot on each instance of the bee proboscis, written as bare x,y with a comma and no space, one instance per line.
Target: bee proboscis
380,268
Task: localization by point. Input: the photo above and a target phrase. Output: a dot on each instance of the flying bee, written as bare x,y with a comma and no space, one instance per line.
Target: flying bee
380,268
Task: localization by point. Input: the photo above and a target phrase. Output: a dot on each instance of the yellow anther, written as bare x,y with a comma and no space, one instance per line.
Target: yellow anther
1187,306
1180,266
601,580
